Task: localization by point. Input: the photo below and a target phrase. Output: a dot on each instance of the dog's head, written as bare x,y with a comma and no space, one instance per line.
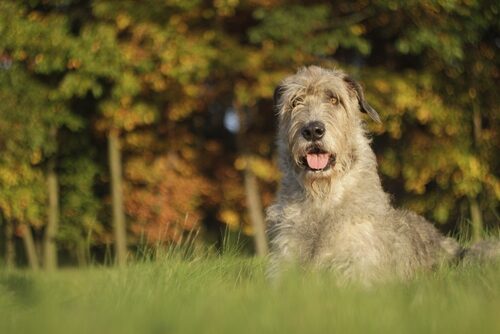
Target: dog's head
319,121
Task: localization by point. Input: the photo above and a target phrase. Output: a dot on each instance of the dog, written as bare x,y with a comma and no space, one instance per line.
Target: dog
331,212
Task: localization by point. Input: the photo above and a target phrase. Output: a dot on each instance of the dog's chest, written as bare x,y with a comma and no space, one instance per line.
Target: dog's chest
350,243
303,233
336,241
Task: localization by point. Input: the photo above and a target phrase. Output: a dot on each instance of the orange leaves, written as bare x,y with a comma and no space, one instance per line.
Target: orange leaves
182,109
231,218
429,145
123,21
261,167
125,115
162,197
382,86
22,192
73,64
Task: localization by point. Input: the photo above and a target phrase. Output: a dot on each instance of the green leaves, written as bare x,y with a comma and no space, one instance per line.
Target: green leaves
316,30
165,73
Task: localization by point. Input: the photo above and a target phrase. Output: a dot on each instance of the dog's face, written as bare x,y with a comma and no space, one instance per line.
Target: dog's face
318,120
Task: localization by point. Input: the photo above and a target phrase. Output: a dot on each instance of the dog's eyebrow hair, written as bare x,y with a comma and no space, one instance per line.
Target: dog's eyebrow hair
342,102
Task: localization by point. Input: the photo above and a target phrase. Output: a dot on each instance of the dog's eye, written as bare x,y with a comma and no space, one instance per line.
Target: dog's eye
331,97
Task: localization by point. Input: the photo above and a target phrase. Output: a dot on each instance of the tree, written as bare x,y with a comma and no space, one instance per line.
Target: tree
35,51
51,229
153,83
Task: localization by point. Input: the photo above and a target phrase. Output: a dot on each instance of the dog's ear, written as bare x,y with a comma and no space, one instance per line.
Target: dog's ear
363,105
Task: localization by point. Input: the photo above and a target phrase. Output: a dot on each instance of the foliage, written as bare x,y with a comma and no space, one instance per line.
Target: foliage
166,74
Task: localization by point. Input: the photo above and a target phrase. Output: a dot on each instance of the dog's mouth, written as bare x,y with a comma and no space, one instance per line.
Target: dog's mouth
317,160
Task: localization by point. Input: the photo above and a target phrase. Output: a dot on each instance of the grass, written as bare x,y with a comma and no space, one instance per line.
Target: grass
230,294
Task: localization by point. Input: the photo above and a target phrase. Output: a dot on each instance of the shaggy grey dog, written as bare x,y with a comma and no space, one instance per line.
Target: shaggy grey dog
331,211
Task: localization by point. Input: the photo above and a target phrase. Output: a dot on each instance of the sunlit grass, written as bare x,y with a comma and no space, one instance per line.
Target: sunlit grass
230,294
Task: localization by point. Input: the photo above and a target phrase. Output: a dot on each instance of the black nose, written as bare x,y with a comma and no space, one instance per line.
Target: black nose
313,131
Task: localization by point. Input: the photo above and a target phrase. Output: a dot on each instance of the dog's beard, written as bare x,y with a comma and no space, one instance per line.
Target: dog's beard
318,186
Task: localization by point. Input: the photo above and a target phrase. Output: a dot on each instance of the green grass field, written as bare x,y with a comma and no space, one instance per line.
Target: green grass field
231,295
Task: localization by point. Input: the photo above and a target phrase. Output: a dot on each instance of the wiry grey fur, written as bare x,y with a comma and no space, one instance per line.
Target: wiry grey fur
340,218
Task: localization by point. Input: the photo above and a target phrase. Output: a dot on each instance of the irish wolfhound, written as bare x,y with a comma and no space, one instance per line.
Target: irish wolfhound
331,211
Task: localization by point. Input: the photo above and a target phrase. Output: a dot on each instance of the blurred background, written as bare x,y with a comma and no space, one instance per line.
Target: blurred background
135,125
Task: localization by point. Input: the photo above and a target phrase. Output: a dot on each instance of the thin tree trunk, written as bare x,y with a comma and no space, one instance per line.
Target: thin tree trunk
476,121
475,211
49,242
10,250
119,231
29,246
476,220
256,212
81,253
252,195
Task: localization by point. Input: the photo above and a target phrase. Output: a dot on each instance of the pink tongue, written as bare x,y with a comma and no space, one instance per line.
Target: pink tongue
318,161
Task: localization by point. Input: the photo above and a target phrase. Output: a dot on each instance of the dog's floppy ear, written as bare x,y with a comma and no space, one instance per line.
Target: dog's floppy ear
363,105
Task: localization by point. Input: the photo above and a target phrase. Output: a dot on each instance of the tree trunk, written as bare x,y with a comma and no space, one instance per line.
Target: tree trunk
29,246
475,211
255,212
49,242
476,220
252,195
81,253
119,231
476,121
10,250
